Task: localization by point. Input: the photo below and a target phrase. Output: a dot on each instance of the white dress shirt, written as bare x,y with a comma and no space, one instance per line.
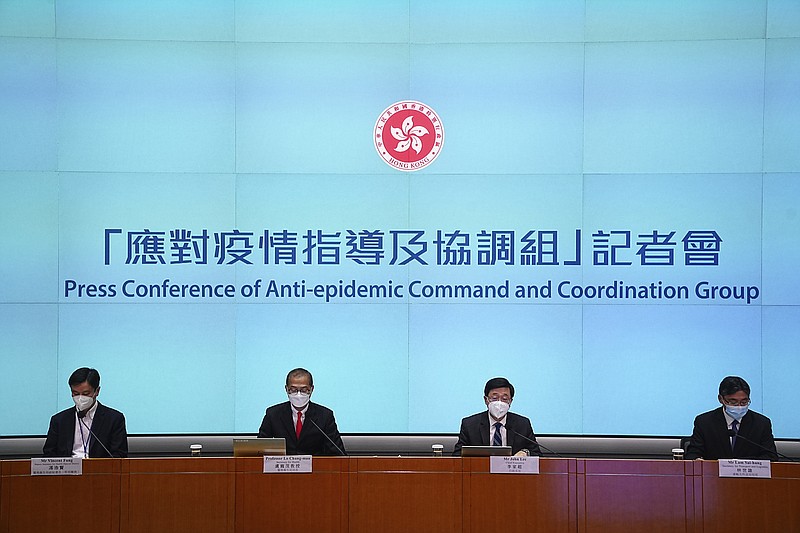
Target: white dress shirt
80,441
492,429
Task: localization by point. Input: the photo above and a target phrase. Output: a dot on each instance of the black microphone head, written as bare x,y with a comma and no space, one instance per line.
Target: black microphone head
731,433
81,414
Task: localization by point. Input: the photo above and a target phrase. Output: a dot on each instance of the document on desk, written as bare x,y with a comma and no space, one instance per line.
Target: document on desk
57,466
514,465
759,468
287,464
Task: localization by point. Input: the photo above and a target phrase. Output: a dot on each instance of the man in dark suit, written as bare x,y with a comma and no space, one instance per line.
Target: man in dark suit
309,428
89,429
497,426
732,431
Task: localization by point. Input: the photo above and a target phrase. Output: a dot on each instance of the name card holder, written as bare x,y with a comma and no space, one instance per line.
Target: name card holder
57,466
757,468
514,465
287,464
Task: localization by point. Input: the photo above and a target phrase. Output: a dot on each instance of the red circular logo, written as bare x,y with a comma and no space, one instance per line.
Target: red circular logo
409,135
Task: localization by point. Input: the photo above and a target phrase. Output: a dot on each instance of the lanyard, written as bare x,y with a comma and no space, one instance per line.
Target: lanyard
85,441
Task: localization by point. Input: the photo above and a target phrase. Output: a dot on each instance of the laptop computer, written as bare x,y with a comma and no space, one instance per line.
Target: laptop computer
258,447
485,451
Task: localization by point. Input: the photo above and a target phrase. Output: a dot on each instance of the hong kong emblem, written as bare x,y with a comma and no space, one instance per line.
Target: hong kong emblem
409,135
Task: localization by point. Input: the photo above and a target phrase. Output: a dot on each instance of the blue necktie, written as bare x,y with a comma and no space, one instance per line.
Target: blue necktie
735,428
497,440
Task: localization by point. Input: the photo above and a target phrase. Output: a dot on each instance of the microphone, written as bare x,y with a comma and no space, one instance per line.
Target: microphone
92,433
732,433
326,435
536,442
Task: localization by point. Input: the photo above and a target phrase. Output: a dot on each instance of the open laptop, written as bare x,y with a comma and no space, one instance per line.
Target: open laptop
484,451
258,447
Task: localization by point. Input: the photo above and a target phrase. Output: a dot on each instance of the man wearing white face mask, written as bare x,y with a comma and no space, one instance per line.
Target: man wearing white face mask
309,428
89,429
732,431
497,426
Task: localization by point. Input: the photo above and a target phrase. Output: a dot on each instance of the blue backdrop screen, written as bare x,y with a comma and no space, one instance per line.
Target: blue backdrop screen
192,202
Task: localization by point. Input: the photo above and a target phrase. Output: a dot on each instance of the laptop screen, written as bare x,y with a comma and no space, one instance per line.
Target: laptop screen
257,447
484,451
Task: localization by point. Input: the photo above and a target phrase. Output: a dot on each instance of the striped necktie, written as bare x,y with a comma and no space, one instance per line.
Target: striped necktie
497,440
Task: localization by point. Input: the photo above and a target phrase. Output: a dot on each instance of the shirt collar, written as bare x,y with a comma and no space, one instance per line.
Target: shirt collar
728,418
92,410
492,421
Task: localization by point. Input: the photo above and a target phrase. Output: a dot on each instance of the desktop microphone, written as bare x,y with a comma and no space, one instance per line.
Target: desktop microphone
326,436
92,433
732,433
536,442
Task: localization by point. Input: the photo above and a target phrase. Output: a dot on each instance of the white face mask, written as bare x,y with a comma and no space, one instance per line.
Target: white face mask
498,409
82,403
299,399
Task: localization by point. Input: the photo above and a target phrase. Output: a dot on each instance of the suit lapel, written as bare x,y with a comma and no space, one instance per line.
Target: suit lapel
484,429
303,430
98,424
745,429
510,431
722,426
310,413
746,424
286,420
68,438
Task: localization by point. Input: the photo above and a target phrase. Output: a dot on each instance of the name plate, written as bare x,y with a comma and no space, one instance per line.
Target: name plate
287,464
57,466
759,468
514,465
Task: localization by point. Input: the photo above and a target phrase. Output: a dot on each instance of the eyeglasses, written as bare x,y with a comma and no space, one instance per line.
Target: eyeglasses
505,399
295,390
737,403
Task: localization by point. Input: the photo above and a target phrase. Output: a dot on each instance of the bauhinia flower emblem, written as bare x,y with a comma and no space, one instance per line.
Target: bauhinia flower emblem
409,136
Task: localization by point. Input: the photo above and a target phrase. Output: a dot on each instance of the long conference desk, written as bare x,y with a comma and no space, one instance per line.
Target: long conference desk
368,494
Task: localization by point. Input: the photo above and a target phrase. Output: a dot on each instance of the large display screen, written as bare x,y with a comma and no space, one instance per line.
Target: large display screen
192,202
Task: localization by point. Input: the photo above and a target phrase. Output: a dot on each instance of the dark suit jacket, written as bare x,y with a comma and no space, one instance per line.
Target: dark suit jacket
710,439
108,426
475,432
278,423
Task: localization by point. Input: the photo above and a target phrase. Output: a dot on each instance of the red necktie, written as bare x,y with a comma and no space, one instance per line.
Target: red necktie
299,424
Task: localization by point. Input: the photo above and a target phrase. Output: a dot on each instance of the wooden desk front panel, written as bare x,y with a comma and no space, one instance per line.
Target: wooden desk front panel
405,494
60,503
729,505
632,495
186,494
292,502
361,494
543,502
